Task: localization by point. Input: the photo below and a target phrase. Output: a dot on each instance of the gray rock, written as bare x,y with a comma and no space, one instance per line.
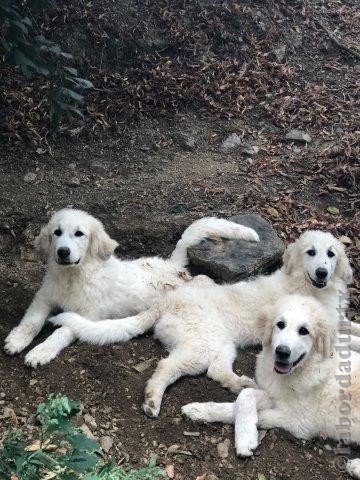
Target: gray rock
223,448
29,177
106,443
298,136
233,260
250,150
279,53
98,167
231,143
73,182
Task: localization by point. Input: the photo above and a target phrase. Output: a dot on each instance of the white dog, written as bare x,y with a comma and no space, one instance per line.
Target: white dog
203,325
85,277
305,385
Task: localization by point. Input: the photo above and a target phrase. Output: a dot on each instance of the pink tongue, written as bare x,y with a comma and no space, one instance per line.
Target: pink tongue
283,367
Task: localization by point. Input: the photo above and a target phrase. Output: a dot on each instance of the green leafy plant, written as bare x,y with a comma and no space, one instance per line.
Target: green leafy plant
35,55
61,451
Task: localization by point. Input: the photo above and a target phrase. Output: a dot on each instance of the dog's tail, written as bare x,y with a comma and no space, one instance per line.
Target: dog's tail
108,331
206,228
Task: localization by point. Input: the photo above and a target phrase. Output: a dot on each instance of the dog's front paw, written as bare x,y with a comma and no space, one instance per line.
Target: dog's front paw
151,406
353,468
246,440
18,339
39,355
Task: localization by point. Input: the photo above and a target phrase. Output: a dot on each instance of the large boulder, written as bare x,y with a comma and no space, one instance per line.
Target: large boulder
233,260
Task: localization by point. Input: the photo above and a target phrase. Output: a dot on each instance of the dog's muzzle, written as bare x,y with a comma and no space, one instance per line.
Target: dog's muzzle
318,283
286,367
66,263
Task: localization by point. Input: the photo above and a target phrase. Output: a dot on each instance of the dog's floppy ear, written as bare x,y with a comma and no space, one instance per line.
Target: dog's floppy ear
42,242
325,331
101,244
343,269
289,258
265,325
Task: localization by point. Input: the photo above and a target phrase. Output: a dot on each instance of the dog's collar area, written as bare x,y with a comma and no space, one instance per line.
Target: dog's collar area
317,284
284,368
64,264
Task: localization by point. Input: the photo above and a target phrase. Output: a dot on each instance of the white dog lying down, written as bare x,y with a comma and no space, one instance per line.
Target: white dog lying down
202,325
85,277
305,386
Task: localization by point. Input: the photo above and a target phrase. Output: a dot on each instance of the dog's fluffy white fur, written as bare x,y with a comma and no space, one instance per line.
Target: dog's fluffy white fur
203,325
84,276
316,392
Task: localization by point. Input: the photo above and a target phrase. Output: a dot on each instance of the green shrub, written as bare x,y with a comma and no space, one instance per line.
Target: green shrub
61,451
35,55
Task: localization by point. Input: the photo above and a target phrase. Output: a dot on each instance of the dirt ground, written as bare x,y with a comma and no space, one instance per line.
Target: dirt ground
147,190
146,185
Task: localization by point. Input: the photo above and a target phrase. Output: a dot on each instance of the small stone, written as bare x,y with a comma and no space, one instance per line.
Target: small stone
176,420
89,420
33,382
72,166
142,366
106,443
191,434
2,394
333,210
40,151
298,136
328,447
86,431
280,53
223,448
30,177
73,182
251,150
231,143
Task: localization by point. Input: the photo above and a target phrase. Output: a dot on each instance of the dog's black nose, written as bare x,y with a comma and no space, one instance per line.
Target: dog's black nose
283,352
321,273
63,252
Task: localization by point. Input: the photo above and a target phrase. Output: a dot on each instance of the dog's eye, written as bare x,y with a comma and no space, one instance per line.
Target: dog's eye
79,234
330,254
303,331
311,252
58,233
281,324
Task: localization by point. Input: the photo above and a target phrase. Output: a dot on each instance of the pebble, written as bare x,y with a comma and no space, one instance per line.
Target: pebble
89,420
29,177
231,143
223,448
106,443
73,182
298,135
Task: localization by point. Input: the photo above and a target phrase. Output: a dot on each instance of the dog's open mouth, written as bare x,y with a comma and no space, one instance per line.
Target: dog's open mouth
64,262
284,368
318,284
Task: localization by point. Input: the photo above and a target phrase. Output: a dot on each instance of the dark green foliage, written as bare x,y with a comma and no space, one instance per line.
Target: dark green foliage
61,451
35,55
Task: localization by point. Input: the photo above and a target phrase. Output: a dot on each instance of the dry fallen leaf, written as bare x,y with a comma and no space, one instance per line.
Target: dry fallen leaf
345,240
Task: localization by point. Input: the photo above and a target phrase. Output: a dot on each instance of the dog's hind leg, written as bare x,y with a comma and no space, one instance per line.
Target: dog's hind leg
170,369
50,348
221,370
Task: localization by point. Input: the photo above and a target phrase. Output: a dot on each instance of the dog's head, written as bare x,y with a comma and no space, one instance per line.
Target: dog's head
320,257
293,329
73,235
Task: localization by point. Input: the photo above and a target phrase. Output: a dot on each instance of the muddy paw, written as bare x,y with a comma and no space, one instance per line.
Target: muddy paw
150,409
